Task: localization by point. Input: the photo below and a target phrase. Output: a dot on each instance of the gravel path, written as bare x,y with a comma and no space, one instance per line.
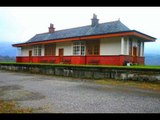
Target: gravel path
53,94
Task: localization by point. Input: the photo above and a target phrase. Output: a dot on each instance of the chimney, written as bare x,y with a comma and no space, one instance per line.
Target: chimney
51,28
94,20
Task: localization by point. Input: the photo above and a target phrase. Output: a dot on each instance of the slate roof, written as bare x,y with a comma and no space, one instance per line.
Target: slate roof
101,28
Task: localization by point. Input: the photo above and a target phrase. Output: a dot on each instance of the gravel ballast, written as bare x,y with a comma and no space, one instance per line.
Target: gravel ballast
52,94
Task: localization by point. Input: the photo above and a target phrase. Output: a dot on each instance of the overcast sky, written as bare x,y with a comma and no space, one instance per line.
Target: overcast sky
18,24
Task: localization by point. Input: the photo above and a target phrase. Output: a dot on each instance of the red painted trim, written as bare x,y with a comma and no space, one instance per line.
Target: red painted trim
101,60
143,36
134,33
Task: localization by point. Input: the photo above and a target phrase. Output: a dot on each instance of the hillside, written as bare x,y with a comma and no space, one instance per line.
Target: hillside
152,59
7,49
7,59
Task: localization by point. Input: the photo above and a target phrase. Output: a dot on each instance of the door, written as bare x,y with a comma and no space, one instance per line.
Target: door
30,56
61,52
134,54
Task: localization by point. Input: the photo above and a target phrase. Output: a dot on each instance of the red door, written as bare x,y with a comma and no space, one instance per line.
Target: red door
30,56
134,54
61,52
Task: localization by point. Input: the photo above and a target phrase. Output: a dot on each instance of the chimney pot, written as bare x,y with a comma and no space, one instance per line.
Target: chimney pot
94,20
51,28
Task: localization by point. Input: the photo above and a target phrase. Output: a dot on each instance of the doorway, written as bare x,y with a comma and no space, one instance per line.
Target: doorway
30,55
134,54
61,53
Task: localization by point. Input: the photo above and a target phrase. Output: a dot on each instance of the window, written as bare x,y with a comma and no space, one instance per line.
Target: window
19,51
79,48
50,49
93,47
37,50
130,46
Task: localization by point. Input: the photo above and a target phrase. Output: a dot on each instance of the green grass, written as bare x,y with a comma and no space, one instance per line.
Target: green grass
89,66
137,84
12,107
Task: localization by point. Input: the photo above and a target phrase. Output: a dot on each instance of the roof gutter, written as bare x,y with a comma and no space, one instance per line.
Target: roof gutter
147,38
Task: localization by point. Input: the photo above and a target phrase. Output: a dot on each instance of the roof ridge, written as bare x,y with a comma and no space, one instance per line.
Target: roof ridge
110,21
42,33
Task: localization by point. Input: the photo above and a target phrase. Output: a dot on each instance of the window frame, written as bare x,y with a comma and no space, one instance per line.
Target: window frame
37,50
79,48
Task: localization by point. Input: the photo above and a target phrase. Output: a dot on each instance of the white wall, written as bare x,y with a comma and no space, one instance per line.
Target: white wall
25,50
110,46
126,46
42,50
67,46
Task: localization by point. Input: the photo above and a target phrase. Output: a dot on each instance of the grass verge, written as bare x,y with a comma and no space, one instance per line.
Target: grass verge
137,84
12,107
87,66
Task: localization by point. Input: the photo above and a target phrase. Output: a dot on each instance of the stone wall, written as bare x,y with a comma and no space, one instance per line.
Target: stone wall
87,72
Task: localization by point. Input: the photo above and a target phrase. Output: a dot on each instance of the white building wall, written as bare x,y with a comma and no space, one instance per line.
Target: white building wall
110,46
122,46
25,50
126,46
42,50
67,46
